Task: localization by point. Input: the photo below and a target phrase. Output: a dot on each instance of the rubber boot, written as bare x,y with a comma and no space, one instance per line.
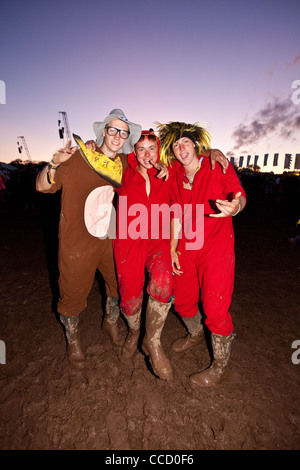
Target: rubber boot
110,321
193,338
74,351
156,315
221,346
132,338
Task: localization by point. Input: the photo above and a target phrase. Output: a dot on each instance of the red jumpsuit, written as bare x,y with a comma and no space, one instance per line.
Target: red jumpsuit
141,242
210,267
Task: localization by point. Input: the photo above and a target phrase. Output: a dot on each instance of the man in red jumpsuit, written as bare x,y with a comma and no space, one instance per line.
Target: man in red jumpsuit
202,248
139,245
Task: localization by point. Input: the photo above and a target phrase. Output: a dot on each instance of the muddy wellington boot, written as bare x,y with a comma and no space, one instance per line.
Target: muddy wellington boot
110,321
74,351
156,315
193,338
221,346
132,338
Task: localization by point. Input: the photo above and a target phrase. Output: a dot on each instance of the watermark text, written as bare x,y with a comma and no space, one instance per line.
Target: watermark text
139,221
2,352
296,354
296,94
2,92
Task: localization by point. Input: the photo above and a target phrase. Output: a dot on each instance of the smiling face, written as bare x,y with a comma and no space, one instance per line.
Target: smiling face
113,143
145,151
184,151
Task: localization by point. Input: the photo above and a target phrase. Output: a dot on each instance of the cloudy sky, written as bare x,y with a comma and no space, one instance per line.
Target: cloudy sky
230,65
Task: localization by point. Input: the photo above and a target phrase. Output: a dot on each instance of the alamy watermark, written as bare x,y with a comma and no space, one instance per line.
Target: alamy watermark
141,221
296,94
296,354
2,92
2,352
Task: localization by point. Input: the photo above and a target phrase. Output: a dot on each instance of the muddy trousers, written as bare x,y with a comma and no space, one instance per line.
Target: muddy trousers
211,275
152,255
77,274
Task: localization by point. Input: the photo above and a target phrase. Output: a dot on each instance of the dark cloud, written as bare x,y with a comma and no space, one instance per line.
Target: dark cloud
278,118
295,60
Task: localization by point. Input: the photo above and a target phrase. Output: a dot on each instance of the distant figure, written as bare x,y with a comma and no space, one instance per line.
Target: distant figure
294,241
2,188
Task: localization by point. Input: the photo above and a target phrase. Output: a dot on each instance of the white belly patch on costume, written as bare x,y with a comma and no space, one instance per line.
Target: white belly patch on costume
98,212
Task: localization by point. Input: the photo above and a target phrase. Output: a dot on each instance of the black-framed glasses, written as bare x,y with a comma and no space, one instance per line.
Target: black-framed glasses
114,130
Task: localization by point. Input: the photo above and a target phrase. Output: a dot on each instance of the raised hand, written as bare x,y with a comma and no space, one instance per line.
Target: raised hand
229,208
63,154
162,169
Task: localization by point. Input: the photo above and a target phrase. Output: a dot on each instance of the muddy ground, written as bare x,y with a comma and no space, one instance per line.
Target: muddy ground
45,404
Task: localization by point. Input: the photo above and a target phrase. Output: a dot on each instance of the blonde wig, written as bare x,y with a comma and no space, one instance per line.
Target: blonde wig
169,133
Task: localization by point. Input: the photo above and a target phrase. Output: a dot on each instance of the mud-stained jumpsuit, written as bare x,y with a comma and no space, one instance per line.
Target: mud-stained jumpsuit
143,242
210,267
150,247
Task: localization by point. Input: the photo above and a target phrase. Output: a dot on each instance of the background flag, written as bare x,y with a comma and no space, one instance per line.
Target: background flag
287,161
297,161
275,161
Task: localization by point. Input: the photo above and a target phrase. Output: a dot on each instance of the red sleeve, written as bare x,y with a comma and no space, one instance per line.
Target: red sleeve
230,183
174,196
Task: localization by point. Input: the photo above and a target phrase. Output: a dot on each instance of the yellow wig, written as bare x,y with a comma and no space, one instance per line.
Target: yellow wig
169,133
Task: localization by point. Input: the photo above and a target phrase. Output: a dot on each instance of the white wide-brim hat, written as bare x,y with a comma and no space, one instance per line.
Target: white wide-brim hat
134,129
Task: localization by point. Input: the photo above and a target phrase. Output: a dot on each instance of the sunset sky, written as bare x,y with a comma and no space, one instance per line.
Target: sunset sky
227,64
